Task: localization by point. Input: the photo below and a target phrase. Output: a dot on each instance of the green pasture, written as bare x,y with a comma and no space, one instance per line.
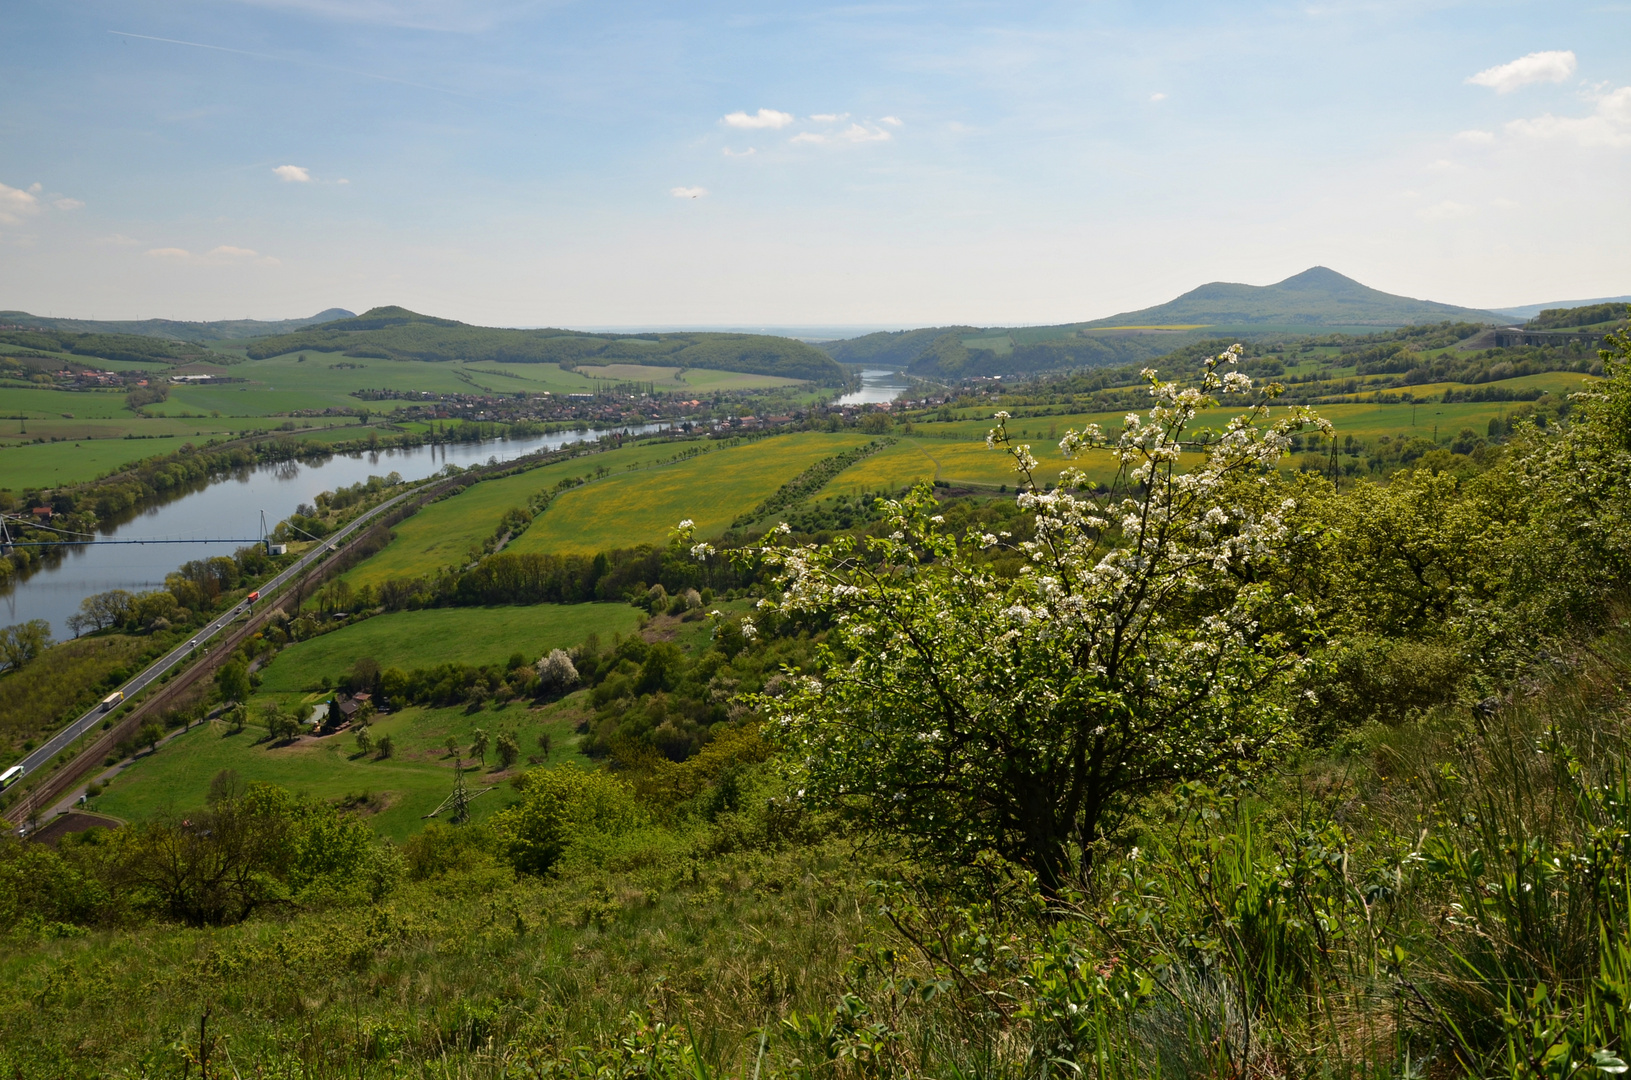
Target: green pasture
420,639
671,379
411,783
1550,382
41,403
93,448
1367,421
445,533
528,378
284,383
1002,344
625,509
911,461
53,464
419,774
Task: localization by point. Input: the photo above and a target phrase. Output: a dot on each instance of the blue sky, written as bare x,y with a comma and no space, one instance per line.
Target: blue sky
526,163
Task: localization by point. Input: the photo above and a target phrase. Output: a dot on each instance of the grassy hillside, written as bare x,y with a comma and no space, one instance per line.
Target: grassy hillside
398,334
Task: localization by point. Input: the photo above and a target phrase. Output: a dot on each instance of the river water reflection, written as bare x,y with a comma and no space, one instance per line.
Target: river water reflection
877,387
230,509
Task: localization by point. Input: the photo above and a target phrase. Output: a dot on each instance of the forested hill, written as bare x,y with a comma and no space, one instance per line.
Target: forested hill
394,333
1316,297
1317,300
172,329
959,352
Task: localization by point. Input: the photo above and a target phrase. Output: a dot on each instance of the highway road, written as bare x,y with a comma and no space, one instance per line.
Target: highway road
65,737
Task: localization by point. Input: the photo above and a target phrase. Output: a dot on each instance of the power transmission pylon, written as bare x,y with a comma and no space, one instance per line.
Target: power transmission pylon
461,798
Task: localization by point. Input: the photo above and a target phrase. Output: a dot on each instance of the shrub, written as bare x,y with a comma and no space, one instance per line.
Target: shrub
557,807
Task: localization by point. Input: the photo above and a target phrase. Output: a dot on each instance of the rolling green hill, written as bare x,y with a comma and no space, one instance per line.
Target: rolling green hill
1317,299
1592,315
395,333
174,329
131,348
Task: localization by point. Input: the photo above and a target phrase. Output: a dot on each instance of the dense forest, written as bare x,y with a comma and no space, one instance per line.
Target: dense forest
398,334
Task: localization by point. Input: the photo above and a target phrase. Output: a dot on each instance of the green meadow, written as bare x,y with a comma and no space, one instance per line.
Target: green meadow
450,532
711,489
678,381
402,788
419,639
418,775
327,380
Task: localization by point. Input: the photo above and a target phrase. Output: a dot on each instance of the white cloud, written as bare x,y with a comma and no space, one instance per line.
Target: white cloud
293,174
1445,211
829,118
65,203
1158,96
1474,136
688,192
1443,165
749,152
15,204
342,180
894,121
119,240
1609,125
764,118
1554,66
861,134
221,255
855,133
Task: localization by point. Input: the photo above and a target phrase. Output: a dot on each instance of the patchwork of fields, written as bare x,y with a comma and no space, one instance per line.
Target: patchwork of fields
711,489
622,498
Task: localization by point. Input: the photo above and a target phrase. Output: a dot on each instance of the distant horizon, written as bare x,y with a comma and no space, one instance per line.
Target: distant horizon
800,330
804,165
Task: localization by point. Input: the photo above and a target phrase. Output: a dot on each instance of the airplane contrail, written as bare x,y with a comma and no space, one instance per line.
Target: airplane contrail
305,63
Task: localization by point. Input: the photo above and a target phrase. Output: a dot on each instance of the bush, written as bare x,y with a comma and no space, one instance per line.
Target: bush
557,807
446,849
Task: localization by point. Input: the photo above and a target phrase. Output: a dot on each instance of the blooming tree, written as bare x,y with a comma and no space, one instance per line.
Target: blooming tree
1144,642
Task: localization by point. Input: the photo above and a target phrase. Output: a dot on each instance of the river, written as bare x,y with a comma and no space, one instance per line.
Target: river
230,508
877,387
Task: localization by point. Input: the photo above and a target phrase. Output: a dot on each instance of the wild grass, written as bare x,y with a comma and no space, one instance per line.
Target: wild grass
477,974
